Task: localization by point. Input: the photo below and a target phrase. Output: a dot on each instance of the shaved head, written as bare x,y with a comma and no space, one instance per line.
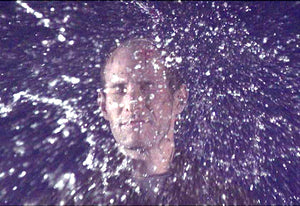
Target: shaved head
146,52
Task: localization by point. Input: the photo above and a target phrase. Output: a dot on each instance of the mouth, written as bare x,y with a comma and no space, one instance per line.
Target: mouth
134,122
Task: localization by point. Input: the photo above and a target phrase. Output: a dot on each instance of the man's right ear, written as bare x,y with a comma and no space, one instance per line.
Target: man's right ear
102,104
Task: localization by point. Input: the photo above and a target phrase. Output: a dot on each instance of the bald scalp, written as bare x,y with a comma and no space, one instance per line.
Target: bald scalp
138,50
145,51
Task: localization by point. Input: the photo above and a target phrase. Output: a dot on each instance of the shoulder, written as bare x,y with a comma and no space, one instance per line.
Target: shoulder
196,181
184,186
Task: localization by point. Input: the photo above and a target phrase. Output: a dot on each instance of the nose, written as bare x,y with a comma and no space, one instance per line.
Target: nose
134,98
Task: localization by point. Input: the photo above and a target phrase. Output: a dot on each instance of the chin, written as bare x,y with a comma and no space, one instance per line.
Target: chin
134,145
135,142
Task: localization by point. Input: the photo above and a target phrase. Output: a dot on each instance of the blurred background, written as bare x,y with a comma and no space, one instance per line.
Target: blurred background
240,61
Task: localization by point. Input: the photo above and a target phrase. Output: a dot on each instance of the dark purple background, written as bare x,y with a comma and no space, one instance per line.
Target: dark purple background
253,136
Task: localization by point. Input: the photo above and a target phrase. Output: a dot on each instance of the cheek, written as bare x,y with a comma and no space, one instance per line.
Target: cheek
159,96
113,109
162,109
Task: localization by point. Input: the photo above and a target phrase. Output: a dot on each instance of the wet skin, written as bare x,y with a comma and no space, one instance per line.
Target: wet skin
140,108
138,101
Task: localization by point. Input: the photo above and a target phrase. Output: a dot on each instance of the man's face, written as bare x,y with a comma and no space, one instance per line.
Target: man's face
138,103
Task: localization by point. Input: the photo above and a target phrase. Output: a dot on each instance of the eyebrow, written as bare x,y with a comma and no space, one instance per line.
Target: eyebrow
117,84
146,82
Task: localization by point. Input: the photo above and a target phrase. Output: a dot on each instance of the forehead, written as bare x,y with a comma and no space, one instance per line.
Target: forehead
134,64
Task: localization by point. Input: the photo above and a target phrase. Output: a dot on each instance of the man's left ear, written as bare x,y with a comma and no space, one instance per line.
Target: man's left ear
180,99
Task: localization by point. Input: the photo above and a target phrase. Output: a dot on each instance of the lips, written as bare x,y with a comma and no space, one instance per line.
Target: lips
134,122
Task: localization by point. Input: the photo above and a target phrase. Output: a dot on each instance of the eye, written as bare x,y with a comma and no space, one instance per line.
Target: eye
146,86
119,89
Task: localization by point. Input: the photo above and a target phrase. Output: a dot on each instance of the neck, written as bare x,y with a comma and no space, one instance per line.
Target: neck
152,161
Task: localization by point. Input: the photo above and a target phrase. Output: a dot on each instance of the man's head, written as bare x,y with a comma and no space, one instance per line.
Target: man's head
141,97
